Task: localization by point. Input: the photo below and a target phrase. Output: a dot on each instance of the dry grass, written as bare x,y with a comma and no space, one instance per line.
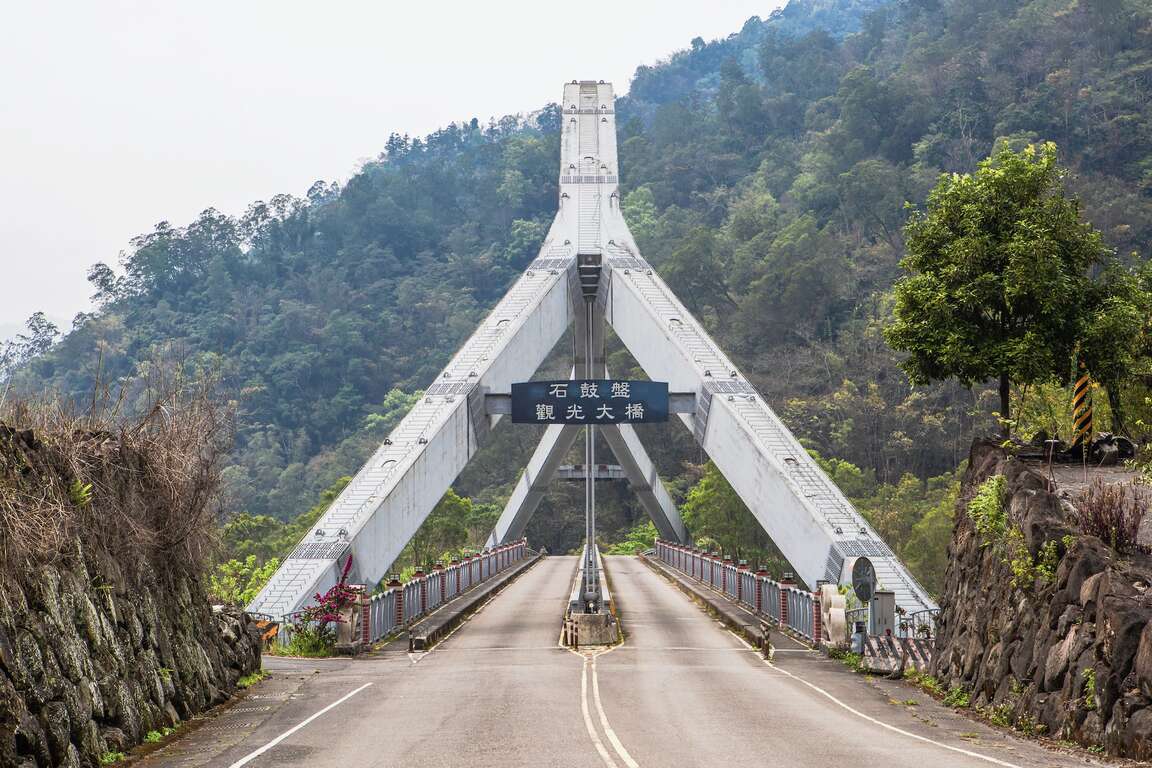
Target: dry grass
1111,513
135,475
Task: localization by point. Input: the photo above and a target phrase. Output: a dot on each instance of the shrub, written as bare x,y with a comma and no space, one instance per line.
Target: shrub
1001,714
133,484
1109,513
311,640
1089,689
987,509
313,629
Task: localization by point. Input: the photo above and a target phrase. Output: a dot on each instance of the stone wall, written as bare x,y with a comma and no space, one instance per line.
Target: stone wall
1069,656
92,659
106,630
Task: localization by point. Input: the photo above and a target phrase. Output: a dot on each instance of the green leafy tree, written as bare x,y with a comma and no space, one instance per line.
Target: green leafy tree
238,582
715,514
639,537
999,284
444,530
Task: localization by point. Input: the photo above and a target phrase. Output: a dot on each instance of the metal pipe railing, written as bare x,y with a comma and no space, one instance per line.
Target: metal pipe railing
401,604
786,604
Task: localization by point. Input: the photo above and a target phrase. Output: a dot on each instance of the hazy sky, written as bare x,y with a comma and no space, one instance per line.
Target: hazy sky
116,115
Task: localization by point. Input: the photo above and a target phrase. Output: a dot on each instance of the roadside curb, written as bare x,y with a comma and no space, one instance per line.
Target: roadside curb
426,633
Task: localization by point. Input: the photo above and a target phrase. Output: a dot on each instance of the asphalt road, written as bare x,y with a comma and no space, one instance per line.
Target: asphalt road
681,691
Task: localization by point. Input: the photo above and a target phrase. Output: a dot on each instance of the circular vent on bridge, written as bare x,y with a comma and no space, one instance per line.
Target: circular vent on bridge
863,579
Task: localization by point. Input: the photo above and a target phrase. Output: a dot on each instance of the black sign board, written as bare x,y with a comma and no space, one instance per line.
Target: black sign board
589,401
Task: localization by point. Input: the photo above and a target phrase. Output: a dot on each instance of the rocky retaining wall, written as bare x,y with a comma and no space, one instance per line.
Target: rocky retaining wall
91,660
106,631
1068,655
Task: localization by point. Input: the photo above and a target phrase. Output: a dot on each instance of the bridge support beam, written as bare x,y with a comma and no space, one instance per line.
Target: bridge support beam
533,483
644,481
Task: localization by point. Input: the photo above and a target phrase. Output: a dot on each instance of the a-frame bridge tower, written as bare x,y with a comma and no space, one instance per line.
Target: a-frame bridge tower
804,513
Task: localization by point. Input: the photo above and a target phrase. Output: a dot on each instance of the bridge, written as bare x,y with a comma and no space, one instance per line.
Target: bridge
514,683
680,690
589,274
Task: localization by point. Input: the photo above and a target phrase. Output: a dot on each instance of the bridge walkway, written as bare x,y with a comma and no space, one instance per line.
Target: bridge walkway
681,691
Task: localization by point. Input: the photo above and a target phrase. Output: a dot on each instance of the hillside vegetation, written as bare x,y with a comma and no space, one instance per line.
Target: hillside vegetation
766,175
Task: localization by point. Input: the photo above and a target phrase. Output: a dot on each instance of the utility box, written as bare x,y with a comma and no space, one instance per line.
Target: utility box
882,614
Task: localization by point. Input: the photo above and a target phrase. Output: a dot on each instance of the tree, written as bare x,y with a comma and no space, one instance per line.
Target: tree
716,515
444,530
238,582
999,284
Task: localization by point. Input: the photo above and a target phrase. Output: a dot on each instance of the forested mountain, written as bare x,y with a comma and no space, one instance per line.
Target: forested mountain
766,177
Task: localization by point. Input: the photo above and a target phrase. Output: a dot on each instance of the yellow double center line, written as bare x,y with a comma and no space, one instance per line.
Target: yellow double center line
589,672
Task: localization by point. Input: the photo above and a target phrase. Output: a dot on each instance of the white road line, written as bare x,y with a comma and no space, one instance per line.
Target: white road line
892,728
607,758
611,734
873,720
253,755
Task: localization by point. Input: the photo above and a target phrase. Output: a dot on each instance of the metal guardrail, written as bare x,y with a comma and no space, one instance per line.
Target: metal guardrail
785,603
401,604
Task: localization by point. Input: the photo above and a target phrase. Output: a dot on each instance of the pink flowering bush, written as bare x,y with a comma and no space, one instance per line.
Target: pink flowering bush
313,629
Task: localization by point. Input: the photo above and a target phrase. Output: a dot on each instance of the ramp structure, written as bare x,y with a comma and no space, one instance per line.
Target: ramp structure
588,248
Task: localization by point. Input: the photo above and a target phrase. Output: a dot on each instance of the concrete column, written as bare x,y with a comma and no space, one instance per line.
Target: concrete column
394,583
439,568
365,615
423,581
725,574
817,622
784,583
741,569
761,574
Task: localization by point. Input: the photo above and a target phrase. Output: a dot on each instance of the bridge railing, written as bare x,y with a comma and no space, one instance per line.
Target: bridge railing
782,602
400,604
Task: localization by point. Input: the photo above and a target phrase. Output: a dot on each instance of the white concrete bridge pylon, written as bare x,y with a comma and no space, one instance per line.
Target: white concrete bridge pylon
812,523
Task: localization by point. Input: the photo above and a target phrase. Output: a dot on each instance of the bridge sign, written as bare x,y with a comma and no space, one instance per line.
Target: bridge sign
589,401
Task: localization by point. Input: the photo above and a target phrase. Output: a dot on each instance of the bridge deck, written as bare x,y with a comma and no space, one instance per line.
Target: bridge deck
680,691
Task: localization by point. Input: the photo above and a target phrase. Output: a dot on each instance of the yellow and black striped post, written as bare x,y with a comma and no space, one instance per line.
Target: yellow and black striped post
1081,410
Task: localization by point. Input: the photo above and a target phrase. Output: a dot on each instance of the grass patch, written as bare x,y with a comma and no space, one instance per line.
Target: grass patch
247,681
111,758
957,698
926,683
154,737
853,661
